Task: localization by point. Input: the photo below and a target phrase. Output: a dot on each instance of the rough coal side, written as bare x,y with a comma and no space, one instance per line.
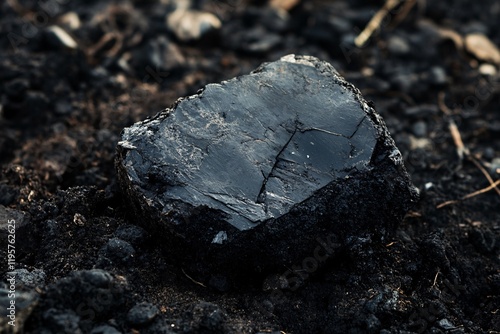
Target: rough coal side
248,174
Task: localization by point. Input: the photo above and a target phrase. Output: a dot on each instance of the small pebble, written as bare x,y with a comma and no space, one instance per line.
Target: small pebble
70,20
398,45
208,316
63,107
105,329
142,314
489,153
191,25
445,324
482,48
495,166
60,38
487,69
419,129
96,277
118,250
437,75
131,233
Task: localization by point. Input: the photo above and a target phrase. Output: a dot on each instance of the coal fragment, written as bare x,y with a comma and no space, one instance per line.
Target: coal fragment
142,314
207,317
117,250
61,321
135,235
251,173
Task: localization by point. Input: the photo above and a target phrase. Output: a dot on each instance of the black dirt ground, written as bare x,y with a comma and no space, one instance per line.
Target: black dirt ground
85,266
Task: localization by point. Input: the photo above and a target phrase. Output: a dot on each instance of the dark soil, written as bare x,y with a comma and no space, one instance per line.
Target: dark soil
85,265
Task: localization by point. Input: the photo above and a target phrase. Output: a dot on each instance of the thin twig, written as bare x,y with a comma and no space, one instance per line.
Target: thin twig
442,205
457,139
485,173
375,22
475,193
192,279
482,191
435,279
462,151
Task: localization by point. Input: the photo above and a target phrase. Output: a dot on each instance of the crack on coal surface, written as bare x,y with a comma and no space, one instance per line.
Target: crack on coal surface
357,127
324,131
261,196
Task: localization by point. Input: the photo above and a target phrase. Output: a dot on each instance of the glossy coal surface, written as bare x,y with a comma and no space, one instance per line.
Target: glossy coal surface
255,146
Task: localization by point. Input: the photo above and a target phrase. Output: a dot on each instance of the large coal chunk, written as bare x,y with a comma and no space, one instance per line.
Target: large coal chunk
251,173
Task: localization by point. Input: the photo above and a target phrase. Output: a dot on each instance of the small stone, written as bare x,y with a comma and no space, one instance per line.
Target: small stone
437,75
489,153
162,55
131,233
208,316
420,143
487,69
482,48
419,129
97,277
79,219
118,250
190,25
398,45
60,38
105,329
255,168
142,314
63,107
70,20
495,166
445,324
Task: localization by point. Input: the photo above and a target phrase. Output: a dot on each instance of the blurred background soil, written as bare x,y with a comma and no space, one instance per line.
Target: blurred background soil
73,74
